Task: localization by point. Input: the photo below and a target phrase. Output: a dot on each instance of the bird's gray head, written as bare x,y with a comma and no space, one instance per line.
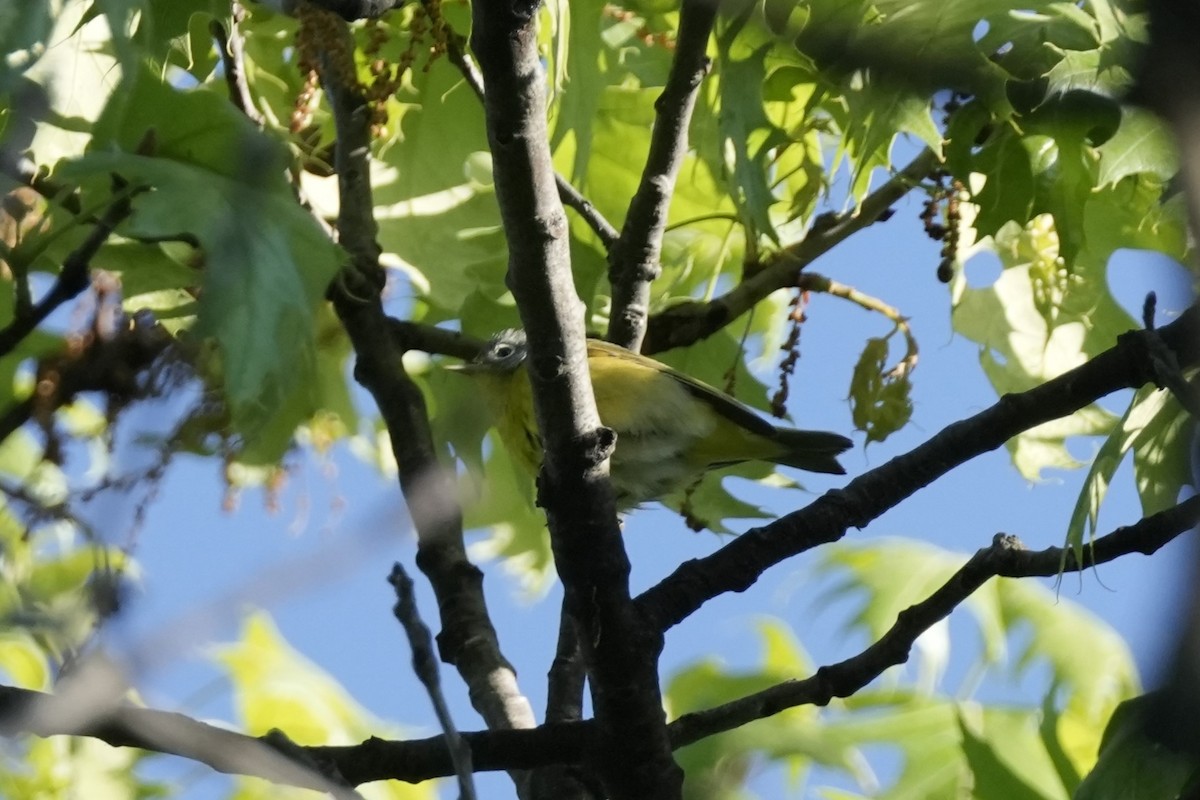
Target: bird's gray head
504,352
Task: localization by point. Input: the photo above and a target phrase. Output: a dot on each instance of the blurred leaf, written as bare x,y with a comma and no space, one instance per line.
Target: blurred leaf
718,766
275,687
164,28
267,263
1131,765
1088,659
22,661
1007,758
24,29
504,503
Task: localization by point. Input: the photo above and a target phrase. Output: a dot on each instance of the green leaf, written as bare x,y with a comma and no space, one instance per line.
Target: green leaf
24,28
1067,742
925,732
504,504
747,134
1007,759
276,687
1038,320
719,765
1131,765
1142,144
575,108
218,179
1007,194
443,225
164,30
880,403
22,662
1157,429
1088,659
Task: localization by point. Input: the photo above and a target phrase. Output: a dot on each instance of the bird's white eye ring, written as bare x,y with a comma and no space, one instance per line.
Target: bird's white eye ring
504,350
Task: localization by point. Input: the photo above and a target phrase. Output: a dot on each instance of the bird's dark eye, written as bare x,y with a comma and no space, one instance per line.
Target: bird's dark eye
503,350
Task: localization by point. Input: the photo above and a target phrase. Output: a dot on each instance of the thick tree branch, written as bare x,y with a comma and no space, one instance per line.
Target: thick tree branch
122,725
23,711
633,755
633,262
468,639
737,565
428,339
688,323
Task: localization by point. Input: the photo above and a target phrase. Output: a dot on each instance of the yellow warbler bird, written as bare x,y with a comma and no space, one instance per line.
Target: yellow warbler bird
670,428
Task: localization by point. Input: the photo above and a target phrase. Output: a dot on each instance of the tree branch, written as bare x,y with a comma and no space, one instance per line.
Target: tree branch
688,323
113,366
812,282
632,754
24,711
73,277
468,640
568,194
633,261
737,565
230,49
428,339
425,666
1006,557
122,725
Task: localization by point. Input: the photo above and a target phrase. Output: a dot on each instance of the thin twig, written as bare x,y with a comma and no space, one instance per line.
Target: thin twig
231,49
425,665
688,323
813,282
633,262
564,703
570,196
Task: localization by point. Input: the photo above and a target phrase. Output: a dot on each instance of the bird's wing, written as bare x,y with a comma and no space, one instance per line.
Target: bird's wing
723,404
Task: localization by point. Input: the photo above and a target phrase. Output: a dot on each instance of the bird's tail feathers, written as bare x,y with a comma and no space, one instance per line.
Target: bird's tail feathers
815,451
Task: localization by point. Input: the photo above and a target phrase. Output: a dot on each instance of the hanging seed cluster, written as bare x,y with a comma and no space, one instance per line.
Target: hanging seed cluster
319,36
944,200
792,347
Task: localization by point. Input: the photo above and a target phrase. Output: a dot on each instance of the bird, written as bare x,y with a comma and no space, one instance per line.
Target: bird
671,428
